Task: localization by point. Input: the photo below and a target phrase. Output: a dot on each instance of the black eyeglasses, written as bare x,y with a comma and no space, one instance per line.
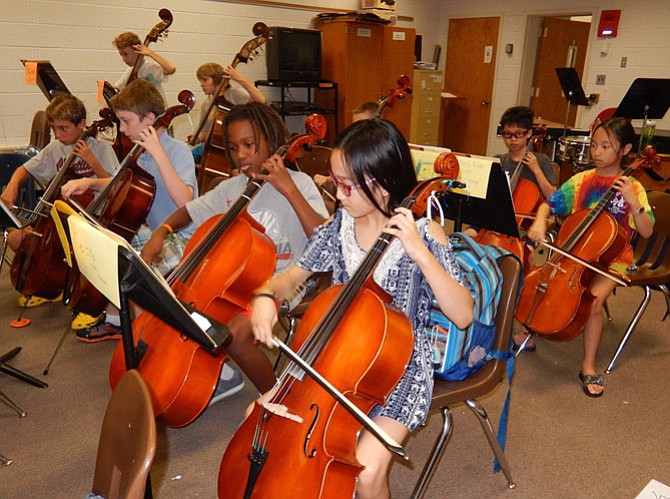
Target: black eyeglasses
347,188
519,134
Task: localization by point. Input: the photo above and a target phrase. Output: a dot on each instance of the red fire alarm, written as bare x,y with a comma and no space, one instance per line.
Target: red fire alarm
609,22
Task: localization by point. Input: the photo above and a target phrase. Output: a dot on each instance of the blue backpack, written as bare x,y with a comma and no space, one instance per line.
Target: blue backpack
458,353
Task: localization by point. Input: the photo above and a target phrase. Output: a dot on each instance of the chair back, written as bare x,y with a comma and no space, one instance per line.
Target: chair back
511,269
40,133
652,256
127,444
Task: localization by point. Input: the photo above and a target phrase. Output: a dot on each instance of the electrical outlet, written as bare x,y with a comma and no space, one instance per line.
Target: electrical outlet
624,62
600,79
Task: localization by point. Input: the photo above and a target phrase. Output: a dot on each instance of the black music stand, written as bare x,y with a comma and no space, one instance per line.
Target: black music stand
9,220
495,213
48,79
137,282
647,98
573,91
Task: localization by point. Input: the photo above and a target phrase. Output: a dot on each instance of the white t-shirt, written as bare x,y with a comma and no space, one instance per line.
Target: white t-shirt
269,208
150,70
49,160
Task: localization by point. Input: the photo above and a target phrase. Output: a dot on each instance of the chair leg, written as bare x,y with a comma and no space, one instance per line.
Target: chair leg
5,461
631,327
10,403
435,455
499,454
666,294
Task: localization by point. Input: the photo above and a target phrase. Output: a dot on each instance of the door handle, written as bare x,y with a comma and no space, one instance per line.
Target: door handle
486,102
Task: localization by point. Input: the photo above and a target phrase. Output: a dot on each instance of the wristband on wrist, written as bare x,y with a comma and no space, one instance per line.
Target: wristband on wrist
169,228
266,295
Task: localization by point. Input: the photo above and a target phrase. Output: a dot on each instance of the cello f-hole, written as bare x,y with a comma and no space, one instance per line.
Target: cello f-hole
310,454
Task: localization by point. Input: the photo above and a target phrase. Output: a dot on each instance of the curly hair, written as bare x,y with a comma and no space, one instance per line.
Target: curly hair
265,122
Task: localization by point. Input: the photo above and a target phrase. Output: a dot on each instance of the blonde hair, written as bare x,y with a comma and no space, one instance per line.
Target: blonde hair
125,40
67,107
139,97
211,69
368,107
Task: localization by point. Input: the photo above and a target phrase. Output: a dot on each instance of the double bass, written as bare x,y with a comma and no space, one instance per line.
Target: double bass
526,197
159,30
214,155
38,267
225,260
122,207
301,437
555,299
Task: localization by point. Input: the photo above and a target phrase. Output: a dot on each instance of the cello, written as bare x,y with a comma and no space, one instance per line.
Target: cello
38,267
555,300
404,87
526,197
121,207
225,260
214,153
301,437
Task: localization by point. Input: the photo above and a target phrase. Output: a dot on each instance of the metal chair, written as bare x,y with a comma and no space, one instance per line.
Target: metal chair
127,444
448,393
651,265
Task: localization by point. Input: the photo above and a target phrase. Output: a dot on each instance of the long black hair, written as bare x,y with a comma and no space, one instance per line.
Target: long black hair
376,149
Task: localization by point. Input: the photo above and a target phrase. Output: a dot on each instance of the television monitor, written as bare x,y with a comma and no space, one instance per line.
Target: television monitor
293,54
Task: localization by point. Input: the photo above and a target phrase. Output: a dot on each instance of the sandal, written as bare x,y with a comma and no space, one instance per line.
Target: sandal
36,301
84,321
592,379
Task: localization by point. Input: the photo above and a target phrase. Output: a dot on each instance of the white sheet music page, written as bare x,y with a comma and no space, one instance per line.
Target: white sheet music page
97,256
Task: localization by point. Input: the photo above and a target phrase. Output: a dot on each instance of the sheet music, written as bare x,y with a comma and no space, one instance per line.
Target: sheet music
474,171
96,250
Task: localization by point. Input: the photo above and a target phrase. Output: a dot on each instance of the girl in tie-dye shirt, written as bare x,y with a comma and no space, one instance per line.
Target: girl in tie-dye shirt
611,141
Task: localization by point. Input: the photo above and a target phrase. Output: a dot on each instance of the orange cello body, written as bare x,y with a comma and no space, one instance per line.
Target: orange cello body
181,375
555,300
317,457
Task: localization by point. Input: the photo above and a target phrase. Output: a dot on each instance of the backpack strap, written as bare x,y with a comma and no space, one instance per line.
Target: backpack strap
508,357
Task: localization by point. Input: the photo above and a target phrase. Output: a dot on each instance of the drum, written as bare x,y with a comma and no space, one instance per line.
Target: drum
575,149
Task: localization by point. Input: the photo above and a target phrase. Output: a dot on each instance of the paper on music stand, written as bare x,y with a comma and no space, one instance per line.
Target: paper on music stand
654,490
96,253
474,171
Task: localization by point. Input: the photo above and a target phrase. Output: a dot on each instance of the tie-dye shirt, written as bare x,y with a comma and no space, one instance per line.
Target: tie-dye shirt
584,190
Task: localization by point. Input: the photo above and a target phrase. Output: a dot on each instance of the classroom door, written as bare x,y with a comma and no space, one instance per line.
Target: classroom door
468,75
563,44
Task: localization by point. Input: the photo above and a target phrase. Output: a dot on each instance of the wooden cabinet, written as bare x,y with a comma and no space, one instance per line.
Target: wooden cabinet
426,104
366,59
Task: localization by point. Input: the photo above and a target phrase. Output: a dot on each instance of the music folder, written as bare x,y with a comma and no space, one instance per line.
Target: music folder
48,80
113,267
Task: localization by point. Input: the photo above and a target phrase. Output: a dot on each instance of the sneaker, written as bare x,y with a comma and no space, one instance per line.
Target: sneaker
230,383
85,321
36,301
100,332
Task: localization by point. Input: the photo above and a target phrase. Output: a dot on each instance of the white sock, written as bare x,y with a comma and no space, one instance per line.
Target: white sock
227,372
114,320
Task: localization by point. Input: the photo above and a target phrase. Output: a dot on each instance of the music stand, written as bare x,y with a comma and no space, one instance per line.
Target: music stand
647,98
137,282
573,91
9,220
48,79
495,212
